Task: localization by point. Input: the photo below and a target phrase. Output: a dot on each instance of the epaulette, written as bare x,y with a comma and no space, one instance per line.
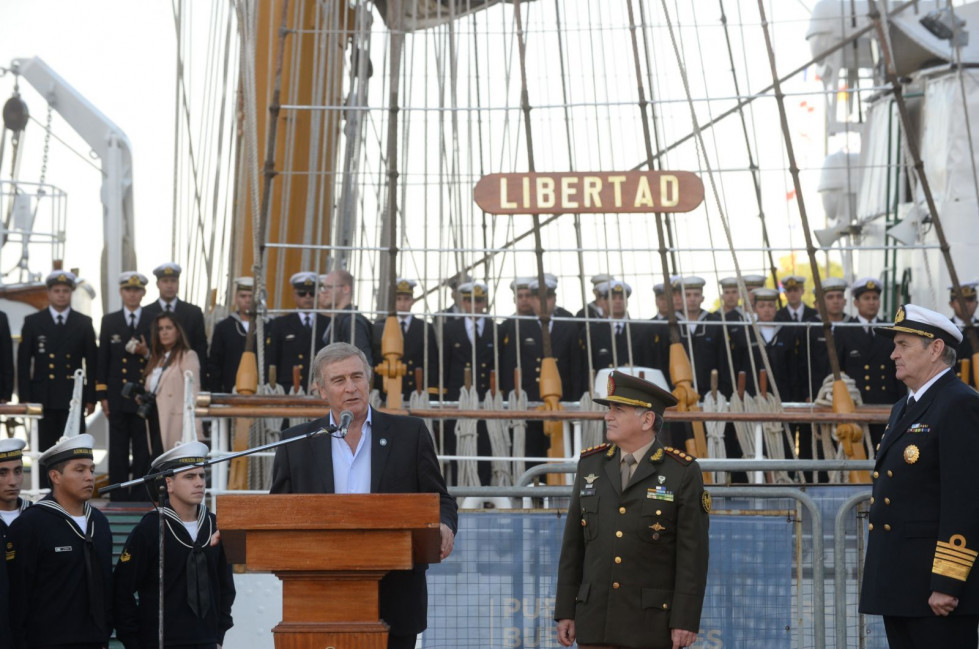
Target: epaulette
679,455
585,452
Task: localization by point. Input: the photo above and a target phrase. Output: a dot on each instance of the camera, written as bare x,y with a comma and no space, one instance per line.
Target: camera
146,400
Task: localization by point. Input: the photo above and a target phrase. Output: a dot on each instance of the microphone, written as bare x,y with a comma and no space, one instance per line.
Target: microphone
345,418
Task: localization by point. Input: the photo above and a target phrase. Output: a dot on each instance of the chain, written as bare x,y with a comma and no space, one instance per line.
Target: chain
47,147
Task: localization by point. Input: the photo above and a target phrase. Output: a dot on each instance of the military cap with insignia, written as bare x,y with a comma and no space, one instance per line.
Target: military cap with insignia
303,279
404,286
244,284
477,290
549,281
601,278
132,279
793,281
753,281
628,390
11,449
919,321
833,284
968,291
865,284
519,283
618,286
65,277
168,269
762,294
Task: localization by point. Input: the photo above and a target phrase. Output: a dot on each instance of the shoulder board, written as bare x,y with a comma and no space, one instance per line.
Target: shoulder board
678,455
594,449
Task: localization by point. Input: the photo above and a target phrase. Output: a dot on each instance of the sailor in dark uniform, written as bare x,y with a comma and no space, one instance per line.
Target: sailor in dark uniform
813,356
198,586
552,306
597,309
523,348
455,309
618,341
229,337
346,324
11,506
294,338
701,341
421,349
864,356
190,316
924,515
959,319
469,343
777,342
122,354
795,309
59,558
54,343
633,566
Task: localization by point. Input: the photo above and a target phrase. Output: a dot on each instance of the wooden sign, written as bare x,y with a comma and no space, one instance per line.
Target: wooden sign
589,193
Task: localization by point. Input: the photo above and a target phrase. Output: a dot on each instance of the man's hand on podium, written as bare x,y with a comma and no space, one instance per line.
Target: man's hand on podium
448,540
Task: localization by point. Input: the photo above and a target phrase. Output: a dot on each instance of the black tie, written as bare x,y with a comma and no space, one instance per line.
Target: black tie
404,328
795,316
61,320
169,308
132,324
309,321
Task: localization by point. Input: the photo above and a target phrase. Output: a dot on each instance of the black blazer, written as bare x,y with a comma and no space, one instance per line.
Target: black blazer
190,317
227,345
866,358
116,366
565,347
923,496
6,359
48,356
288,342
457,356
415,355
402,461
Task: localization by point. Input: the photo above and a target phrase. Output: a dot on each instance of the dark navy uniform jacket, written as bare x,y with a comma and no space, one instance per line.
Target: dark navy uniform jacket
116,366
227,346
349,326
136,575
289,344
634,563
924,515
781,358
46,562
415,356
604,340
48,356
866,358
528,337
457,355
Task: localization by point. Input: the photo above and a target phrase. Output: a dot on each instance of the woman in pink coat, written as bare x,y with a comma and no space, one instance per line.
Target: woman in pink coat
170,357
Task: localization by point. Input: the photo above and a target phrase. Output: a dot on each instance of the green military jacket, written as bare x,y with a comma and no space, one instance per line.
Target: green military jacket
634,563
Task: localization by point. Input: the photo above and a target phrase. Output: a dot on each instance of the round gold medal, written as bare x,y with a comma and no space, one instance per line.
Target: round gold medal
911,454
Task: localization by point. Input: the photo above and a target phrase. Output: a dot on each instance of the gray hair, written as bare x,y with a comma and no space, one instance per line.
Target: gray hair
334,353
949,355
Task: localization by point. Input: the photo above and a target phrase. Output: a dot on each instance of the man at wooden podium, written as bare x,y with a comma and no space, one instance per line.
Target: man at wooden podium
380,453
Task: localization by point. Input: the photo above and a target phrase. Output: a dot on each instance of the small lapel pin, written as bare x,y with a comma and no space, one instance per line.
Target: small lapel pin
384,441
661,478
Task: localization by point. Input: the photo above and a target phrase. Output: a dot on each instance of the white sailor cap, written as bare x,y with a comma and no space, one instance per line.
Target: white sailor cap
833,284
762,294
919,321
475,290
65,277
168,269
659,289
601,278
692,281
11,449
519,283
550,281
793,281
865,284
133,279
618,286
753,281
303,279
244,283
968,290
729,282
180,455
404,286
77,447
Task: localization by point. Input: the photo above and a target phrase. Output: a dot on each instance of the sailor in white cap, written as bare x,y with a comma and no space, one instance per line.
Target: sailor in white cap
865,356
199,587
700,340
597,309
54,343
228,339
777,341
795,310
59,556
289,338
418,354
730,299
521,296
618,341
919,571
11,481
814,357
123,350
190,316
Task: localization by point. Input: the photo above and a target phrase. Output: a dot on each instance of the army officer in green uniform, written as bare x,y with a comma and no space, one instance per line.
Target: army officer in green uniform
633,566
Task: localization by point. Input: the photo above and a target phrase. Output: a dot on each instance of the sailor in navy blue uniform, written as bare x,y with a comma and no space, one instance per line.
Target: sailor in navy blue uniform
54,343
190,316
122,353
294,338
633,566
597,309
617,341
421,350
229,338
924,515
11,505
864,356
959,319
59,558
198,586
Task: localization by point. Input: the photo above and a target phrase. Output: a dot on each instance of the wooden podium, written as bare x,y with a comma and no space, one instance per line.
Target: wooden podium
330,552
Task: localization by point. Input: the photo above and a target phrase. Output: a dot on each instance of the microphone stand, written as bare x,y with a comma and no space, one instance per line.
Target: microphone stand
330,429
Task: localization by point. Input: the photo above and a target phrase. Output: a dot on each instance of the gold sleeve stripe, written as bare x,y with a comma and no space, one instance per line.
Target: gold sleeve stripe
951,570
956,548
953,559
101,387
952,554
